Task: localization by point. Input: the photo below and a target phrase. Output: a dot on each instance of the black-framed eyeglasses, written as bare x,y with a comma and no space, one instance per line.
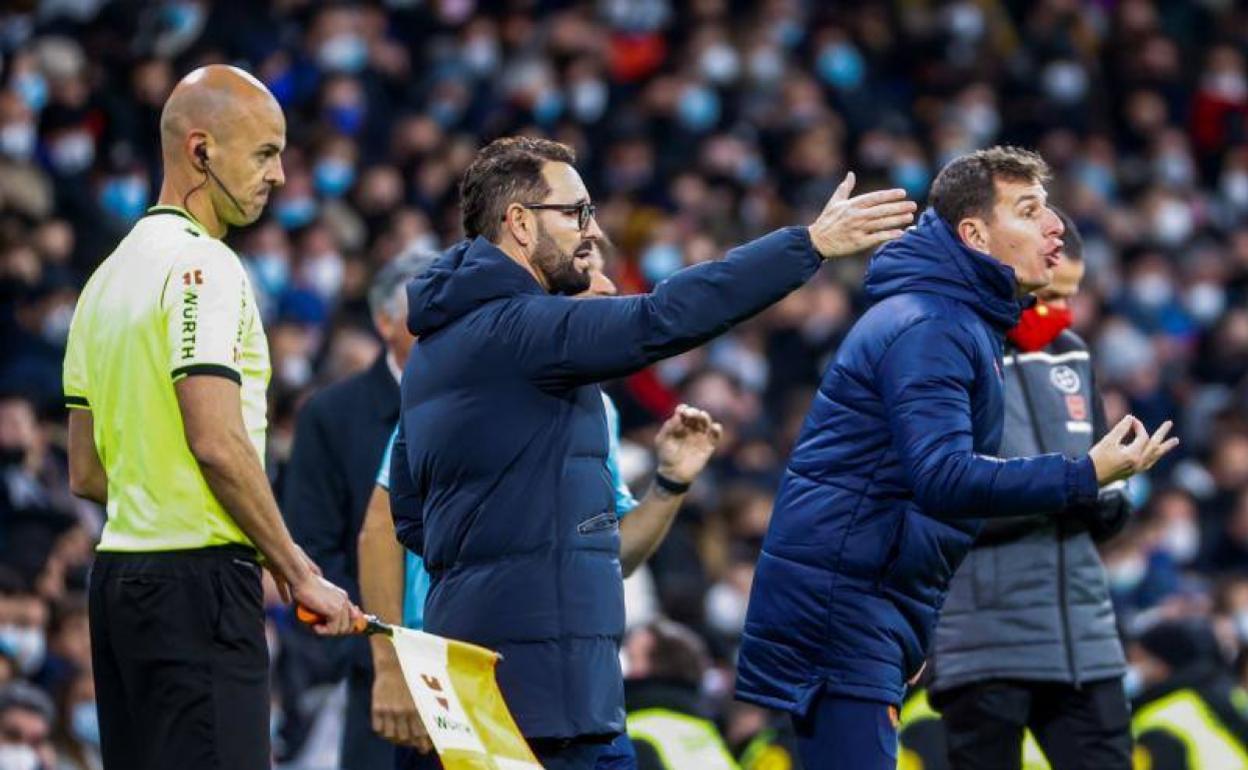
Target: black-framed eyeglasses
585,211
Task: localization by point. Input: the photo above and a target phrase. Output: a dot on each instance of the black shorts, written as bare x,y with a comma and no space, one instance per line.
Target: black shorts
180,660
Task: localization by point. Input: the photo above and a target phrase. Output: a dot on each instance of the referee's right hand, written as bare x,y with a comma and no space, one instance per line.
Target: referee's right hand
338,615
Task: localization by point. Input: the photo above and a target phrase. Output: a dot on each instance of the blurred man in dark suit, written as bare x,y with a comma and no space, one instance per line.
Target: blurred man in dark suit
339,439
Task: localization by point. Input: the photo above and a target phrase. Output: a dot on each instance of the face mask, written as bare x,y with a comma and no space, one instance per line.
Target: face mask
27,645
982,121
446,112
125,198
33,88
1206,302
324,274
183,19
1235,189
1230,86
660,260
333,177
1152,290
17,141
18,756
1038,326
725,609
293,213
698,109
1125,576
1132,682
344,52
1173,223
347,118
766,66
1065,82
481,55
84,722
1182,541
912,176
1099,179
1174,169
750,170
55,328
589,100
272,273
966,21
1240,619
72,153
841,66
295,371
548,108
720,64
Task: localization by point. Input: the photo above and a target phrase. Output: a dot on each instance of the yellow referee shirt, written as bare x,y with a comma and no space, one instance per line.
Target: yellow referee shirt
169,302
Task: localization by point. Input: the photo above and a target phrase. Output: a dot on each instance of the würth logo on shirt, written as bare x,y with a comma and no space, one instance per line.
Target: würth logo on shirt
190,312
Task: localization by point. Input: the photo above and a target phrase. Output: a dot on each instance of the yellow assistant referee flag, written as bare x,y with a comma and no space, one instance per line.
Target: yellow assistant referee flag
456,695
458,699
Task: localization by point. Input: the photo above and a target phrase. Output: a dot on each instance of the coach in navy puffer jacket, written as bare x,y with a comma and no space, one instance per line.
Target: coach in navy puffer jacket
879,502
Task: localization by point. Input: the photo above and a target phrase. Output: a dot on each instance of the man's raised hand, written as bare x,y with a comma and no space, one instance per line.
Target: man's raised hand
1116,461
850,225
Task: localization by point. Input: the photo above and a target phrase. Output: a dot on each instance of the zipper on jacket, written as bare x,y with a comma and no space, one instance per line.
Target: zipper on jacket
1063,605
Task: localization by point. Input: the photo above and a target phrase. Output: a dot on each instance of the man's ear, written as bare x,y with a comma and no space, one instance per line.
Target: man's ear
519,225
974,233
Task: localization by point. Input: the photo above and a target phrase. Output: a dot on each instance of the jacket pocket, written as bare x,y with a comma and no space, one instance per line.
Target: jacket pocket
604,520
984,576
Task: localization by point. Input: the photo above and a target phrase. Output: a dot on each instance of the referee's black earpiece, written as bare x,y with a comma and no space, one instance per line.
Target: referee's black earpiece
201,152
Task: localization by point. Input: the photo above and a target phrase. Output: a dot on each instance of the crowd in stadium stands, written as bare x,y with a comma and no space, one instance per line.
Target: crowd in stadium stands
697,125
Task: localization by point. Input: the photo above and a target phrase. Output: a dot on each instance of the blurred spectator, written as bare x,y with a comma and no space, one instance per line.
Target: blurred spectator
77,736
27,718
1187,707
664,666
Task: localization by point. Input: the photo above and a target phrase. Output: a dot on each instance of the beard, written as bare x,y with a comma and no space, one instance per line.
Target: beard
559,267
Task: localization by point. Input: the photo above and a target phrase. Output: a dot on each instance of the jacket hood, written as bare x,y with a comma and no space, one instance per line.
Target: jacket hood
930,258
465,277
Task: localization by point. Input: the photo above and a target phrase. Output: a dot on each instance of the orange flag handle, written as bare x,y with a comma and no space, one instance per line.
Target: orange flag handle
365,624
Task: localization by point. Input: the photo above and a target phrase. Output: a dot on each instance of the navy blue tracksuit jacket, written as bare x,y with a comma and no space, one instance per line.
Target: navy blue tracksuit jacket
506,492
892,470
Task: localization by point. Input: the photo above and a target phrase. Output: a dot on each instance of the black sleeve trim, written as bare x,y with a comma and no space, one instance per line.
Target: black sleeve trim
77,401
214,370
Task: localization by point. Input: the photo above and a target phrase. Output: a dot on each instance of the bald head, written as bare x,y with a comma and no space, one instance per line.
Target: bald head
222,124
215,100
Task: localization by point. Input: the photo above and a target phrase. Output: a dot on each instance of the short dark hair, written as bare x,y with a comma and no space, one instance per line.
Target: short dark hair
506,171
21,695
1072,241
966,186
678,654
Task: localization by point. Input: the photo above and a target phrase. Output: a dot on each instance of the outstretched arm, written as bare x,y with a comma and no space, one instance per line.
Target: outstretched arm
925,378
560,340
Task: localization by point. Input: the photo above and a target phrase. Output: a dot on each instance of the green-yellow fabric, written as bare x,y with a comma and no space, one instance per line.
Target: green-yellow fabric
169,302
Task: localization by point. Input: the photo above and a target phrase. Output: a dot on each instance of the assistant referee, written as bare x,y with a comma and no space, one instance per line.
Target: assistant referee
165,377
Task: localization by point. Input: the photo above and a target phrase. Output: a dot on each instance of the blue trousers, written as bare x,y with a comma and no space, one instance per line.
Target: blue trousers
847,734
618,755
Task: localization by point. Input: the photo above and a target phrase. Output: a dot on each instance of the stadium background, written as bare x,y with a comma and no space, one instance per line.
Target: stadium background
697,125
